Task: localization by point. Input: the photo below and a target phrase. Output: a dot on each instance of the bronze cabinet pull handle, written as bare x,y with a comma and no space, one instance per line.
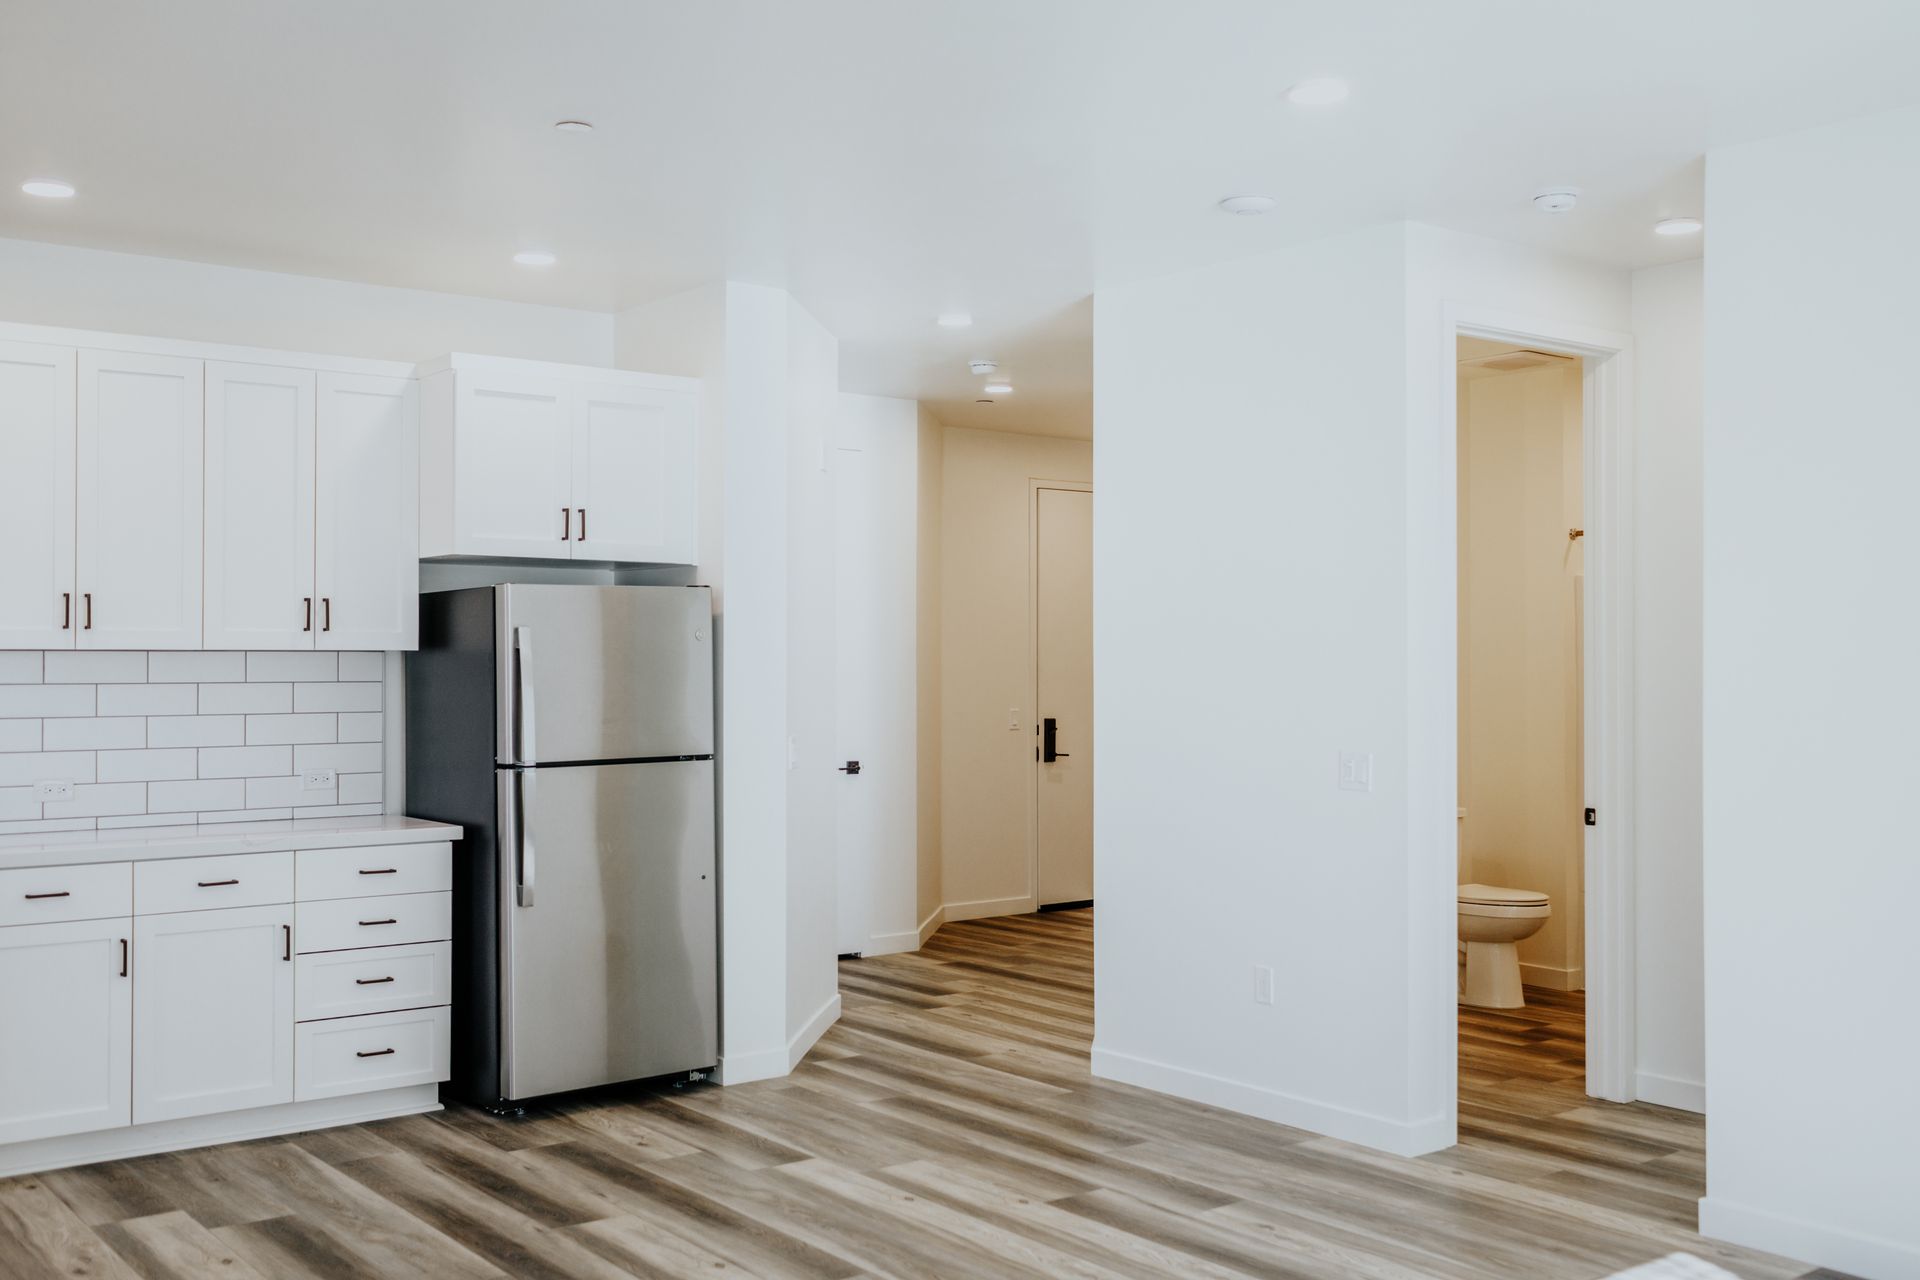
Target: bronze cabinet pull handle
566,524
307,622
381,871
216,884
376,1053
286,952
370,982
87,598
66,610
123,957
583,524
64,893
326,613
366,923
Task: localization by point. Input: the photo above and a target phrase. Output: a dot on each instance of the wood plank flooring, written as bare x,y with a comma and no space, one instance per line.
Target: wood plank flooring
946,1127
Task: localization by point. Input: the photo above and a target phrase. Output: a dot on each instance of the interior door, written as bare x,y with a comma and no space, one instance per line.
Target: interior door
856,722
607,924
259,512
66,1010
138,509
367,513
633,468
36,496
513,466
1063,595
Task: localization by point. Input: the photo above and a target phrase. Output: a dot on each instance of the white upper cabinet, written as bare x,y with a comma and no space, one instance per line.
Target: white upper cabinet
138,508
367,528
36,496
259,508
552,462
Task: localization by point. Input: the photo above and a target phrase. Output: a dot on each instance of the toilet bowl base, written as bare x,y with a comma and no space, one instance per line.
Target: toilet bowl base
1493,976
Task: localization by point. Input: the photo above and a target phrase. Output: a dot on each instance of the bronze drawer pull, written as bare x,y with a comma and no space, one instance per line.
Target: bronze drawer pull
370,982
216,884
367,923
375,1053
64,893
383,871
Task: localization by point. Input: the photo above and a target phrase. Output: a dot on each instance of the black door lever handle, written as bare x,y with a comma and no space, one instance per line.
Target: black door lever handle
851,766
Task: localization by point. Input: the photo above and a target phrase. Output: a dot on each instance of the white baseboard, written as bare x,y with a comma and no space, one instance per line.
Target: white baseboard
815,1027
887,944
1397,1137
1806,1241
42,1154
931,925
985,907
745,1068
1666,1091
1553,979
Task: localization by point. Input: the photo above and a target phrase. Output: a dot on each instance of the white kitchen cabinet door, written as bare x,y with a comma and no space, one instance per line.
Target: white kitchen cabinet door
259,512
66,1028
36,496
138,508
367,554
513,466
213,1012
633,469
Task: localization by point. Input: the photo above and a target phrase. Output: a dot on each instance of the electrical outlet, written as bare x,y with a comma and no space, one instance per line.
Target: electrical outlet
318,780
61,790
1262,984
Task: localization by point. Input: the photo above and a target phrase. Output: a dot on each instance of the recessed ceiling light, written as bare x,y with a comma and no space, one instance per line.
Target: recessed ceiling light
998,389
954,320
1321,91
48,188
1248,204
983,367
1557,199
535,258
573,126
1677,227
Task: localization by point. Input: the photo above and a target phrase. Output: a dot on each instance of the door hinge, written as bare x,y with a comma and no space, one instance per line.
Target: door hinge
1593,818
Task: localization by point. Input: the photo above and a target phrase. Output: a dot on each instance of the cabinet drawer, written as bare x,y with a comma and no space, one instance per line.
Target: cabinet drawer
43,895
343,984
202,884
379,1051
373,922
319,874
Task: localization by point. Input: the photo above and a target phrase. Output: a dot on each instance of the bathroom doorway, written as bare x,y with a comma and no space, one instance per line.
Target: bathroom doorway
1520,449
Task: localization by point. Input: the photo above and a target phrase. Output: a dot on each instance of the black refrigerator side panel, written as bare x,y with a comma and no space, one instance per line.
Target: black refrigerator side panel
450,778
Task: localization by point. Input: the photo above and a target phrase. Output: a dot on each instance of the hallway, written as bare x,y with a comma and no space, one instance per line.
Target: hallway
947,1126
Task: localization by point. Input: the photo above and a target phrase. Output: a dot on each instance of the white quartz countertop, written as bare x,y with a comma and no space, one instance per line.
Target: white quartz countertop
130,844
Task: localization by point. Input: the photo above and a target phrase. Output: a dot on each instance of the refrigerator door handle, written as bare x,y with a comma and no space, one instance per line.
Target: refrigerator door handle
516,849
523,723
523,885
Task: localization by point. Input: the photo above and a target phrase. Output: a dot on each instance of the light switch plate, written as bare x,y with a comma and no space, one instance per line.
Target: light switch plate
1356,771
1262,984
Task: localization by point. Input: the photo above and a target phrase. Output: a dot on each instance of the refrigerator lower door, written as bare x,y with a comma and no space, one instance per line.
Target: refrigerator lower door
607,920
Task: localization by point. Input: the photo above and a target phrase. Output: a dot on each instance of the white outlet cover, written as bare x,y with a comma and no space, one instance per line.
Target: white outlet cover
1356,771
61,790
318,780
1262,984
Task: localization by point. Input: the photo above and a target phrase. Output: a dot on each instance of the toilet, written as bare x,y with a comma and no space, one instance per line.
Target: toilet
1492,921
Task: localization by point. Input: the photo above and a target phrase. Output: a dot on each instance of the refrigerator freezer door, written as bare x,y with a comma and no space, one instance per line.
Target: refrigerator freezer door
617,673
610,974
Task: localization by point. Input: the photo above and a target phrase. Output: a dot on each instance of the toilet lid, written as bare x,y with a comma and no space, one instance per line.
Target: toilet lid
1494,896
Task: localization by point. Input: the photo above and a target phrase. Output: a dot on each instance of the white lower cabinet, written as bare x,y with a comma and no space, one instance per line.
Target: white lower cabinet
379,1051
66,1028
212,1012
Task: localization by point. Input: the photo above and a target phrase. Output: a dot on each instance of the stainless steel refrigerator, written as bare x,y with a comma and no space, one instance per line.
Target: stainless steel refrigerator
569,729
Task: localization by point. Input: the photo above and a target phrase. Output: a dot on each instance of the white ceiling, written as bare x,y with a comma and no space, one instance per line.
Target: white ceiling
888,160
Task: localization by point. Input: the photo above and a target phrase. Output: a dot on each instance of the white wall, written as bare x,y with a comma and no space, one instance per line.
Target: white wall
1811,695
986,768
170,298
1670,1035
930,887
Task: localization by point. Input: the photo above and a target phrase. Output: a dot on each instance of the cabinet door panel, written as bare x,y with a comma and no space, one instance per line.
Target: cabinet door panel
513,467
66,1029
633,474
137,553
367,555
259,482
36,496
213,1012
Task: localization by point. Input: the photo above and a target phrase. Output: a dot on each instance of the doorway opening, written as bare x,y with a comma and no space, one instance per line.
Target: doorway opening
1520,437
1061,662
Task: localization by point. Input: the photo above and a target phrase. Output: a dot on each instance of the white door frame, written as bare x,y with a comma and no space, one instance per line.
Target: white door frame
1607,718
1034,486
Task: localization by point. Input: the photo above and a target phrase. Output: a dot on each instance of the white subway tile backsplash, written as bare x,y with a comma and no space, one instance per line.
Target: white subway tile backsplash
165,738
196,731
20,667
95,667
245,762
338,696
180,797
24,768
270,665
195,668
45,699
101,733
148,699
300,728
148,766
244,699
